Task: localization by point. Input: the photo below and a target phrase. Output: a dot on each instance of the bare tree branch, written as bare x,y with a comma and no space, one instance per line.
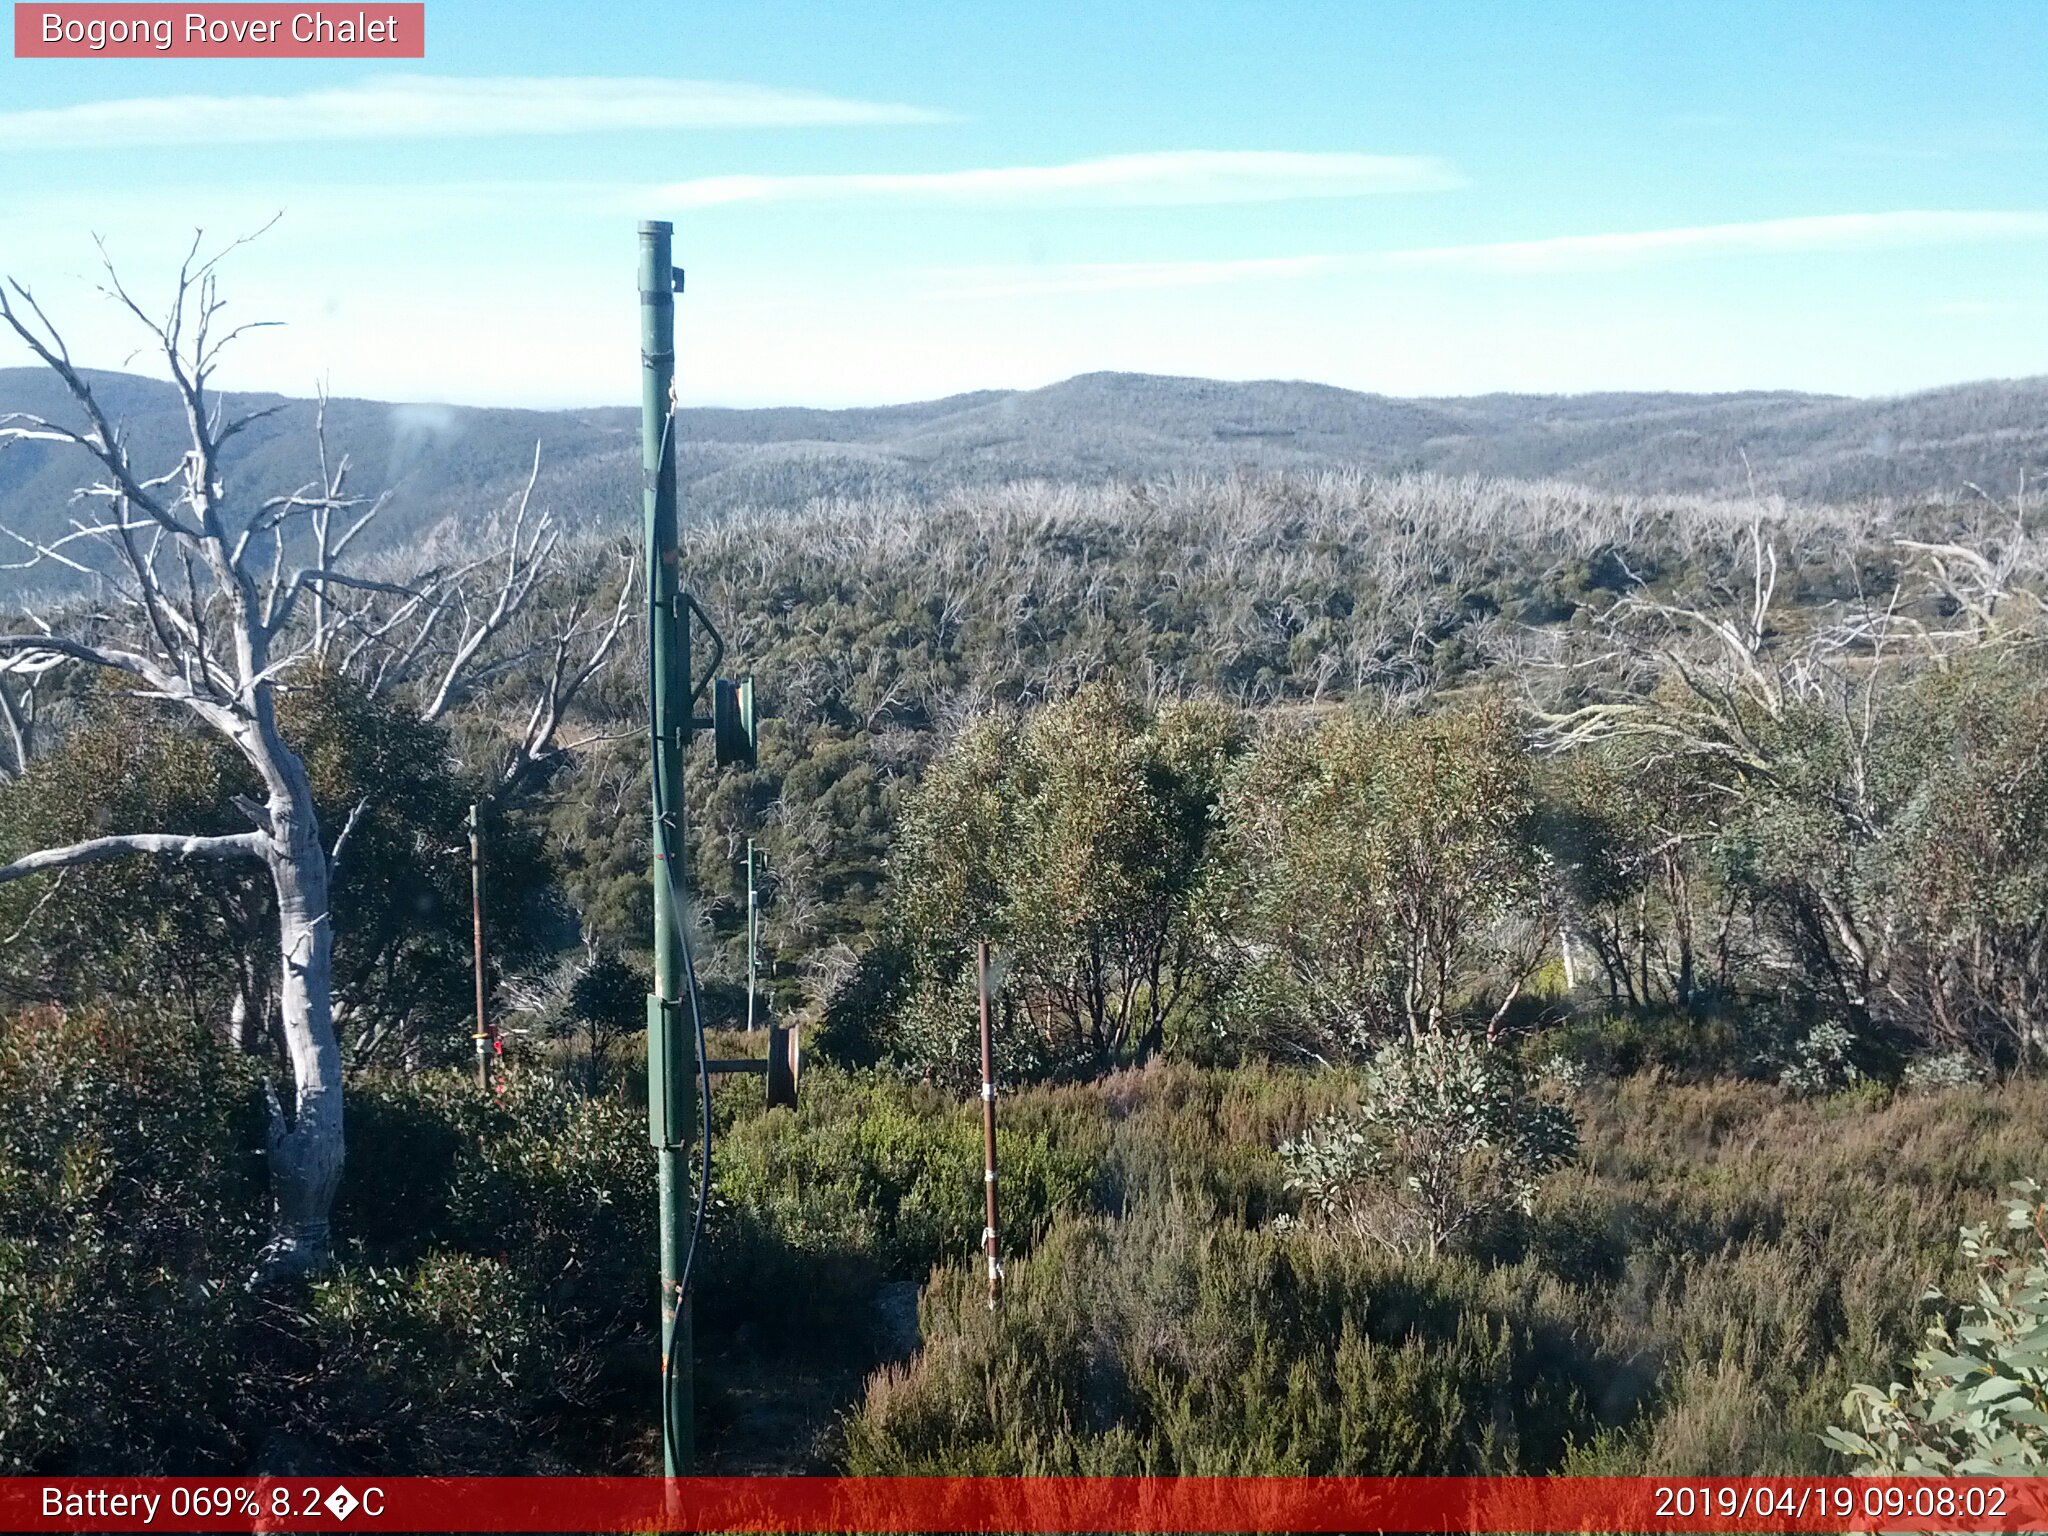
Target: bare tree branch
541,743
171,845
17,729
102,441
348,828
525,562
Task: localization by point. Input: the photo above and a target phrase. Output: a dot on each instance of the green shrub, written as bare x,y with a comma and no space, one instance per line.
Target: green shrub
450,1365
1375,878
1775,1248
1939,1070
1449,1135
1978,1400
1821,1061
494,1308
1074,841
1694,1044
498,1254
1165,1344
131,1189
870,1178
1728,1258
556,1182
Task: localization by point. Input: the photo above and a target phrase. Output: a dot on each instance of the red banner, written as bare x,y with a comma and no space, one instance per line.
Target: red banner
235,31
1081,1504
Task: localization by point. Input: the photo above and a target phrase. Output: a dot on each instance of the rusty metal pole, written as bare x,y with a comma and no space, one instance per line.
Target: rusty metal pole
988,1130
753,935
476,919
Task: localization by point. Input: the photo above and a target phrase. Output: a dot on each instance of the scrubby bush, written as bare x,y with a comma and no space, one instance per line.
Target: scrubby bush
1821,1061
499,1253
1074,841
1711,1275
1165,1344
498,1276
1967,861
1450,1133
1690,1045
448,1365
130,1192
1940,1070
869,1179
536,1172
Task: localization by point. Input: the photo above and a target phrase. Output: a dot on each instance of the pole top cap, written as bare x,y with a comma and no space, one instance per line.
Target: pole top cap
656,227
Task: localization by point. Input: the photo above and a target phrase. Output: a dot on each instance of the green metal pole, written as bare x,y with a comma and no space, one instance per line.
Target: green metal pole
671,1049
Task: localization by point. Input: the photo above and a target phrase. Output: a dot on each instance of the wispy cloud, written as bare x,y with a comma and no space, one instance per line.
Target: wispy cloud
1823,232
440,107
1563,254
1183,176
1126,276
1988,309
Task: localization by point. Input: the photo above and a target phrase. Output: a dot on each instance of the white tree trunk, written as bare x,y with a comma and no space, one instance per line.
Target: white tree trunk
306,1147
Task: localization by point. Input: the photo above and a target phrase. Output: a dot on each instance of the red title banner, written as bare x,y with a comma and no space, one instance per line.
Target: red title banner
235,31
1035,1504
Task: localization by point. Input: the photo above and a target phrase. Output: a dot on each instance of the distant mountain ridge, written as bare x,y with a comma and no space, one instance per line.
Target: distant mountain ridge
452,465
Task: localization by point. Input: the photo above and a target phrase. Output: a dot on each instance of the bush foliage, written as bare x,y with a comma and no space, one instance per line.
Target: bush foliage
1294,863
1977,1403
1448,1136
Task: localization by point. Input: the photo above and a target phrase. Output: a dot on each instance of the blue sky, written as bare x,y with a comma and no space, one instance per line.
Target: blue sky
886,201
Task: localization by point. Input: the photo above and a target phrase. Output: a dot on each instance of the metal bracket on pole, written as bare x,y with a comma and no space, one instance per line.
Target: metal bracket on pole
782,1066
689,608
735,733
671,1075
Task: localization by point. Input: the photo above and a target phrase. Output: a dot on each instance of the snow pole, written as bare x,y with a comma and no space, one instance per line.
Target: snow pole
988,1128
482,1038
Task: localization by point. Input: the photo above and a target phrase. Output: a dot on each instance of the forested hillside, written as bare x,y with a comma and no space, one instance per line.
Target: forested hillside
445,465
1493,976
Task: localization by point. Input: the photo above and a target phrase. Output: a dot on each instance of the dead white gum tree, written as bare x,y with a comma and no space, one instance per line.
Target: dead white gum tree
210,605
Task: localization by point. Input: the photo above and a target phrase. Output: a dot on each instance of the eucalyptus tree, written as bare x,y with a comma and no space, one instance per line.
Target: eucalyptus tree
1073,840
1376,879
209,601
1866,773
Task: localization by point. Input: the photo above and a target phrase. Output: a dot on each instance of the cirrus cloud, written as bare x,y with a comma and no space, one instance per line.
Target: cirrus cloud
440,107
1128,276
1159,178
1759,237
1817,234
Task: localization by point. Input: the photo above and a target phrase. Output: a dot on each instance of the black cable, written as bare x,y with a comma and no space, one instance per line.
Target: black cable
664,856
